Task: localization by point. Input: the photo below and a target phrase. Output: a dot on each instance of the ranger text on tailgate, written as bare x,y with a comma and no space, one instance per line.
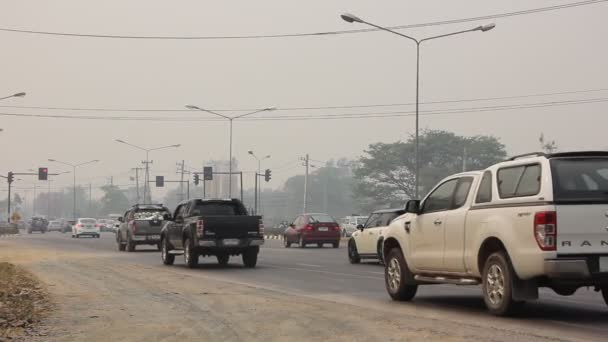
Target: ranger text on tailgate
212,227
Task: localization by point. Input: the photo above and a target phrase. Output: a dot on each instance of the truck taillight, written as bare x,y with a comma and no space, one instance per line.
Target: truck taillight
80,225
261,230
545,230
200,228
133,227
309,227
337,228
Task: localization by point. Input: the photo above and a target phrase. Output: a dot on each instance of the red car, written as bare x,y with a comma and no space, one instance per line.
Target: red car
313,228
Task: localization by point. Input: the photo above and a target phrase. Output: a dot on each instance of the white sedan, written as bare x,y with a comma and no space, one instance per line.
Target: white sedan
86,227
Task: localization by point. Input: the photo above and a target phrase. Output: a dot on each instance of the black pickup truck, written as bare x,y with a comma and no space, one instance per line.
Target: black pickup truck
212,227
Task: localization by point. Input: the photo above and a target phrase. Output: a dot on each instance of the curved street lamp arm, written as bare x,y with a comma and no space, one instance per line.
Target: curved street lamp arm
208,111
255,112
391,31
449,34
163,147
126,143
60,162
85,163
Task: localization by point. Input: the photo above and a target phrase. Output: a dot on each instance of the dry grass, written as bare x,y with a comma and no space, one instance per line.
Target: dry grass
23,301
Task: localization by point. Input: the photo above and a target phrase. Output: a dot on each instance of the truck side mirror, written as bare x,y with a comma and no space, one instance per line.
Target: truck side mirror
413,206
292,225
178,220
120,219
360,227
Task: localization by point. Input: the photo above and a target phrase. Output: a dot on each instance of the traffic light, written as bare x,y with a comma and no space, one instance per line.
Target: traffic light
160,181
196,179
267,175
10,177
43,173
207,173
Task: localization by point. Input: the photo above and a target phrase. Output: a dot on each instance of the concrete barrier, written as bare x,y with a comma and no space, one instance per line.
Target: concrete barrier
8,228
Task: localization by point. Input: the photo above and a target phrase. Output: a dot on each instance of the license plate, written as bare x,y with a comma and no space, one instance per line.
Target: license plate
153,237
139,237
322,229
603,264
231,242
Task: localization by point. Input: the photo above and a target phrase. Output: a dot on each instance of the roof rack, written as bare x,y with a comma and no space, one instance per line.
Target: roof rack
531,154
137,205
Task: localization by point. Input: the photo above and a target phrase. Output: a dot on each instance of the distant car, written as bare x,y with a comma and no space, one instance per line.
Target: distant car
366,242
350,223
67,225
86,227
313,228
106,225
38,224
55,225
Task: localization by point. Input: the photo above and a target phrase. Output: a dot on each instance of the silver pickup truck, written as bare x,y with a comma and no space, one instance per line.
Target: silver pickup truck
141,225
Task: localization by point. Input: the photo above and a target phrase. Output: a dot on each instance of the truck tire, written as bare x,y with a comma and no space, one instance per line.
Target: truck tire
223,259
286,242
605,294
121,246
336,244
497,285
190,256
396,274
250,257
353,254
301,242
29,231
130,244
168,259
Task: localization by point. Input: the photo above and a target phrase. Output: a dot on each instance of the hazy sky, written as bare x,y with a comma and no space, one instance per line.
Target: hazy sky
548,52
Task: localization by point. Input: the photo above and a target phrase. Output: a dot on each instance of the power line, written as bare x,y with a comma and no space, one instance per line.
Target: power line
320,116
309,34
151,110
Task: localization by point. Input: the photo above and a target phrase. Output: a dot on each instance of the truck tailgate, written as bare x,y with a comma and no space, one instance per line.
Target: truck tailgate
147,227
231,226
582,228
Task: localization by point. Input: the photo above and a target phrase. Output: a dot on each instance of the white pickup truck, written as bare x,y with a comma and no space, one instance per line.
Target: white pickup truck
537,220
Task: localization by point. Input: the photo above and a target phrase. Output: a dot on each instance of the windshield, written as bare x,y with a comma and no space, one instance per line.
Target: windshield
87,221
361,220
320,218
580,179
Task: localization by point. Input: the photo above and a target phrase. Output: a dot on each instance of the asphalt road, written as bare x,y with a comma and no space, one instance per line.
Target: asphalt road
325,273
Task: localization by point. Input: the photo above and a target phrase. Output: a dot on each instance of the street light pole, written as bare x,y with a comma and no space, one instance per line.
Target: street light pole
230,118
147,150
74,166
350,18
258,192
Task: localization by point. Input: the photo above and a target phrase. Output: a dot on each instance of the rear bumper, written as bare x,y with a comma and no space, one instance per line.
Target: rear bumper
230,243
567,269
148,239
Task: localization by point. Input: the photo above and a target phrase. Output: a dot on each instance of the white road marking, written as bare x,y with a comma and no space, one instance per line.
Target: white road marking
309,265
375,272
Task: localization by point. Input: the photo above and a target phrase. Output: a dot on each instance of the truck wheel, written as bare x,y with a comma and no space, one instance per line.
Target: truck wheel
605,294
223,259
497,285
121,245
29,231
353,254
302,243
130,245
250,257
168,259
190,256
159,246
396,274
336,244
286,242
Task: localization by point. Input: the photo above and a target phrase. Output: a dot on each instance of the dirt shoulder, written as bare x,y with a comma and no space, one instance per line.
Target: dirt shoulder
24,302
104,296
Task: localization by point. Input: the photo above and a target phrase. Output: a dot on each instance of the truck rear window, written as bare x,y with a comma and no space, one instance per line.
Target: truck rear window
217,209
149,214
580,179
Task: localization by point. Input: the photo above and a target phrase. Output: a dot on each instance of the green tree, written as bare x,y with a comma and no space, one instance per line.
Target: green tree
385,175
547,146
113,200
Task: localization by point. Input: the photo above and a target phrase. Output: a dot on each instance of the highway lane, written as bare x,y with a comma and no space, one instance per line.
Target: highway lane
324,273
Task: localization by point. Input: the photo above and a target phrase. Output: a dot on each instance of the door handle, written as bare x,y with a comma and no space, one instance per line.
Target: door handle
407,226
438,222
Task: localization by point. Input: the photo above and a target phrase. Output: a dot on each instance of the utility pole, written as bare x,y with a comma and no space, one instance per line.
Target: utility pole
137,182
48,200
255,195
464,159
147,195
181,186
91,194
306,164
34,202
